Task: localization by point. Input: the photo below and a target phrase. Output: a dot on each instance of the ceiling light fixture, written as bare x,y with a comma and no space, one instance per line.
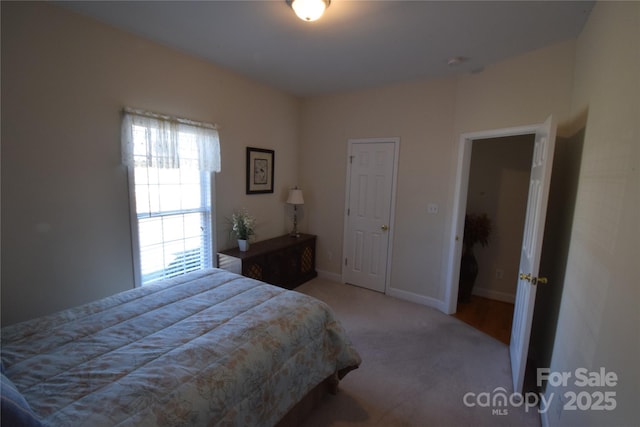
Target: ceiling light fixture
309,10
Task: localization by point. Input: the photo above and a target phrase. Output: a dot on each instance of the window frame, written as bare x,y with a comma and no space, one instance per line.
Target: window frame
134,222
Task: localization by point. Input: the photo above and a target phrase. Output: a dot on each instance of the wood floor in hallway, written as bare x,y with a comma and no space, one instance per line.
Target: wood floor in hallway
489,316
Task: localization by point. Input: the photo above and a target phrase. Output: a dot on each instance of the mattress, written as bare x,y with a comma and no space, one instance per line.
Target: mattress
208,348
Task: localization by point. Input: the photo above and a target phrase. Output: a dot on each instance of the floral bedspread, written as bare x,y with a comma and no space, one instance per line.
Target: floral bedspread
210,348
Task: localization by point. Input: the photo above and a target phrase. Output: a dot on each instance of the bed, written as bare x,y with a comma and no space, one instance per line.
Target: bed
209,348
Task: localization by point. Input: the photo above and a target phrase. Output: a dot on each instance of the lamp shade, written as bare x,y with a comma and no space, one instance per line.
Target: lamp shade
295,197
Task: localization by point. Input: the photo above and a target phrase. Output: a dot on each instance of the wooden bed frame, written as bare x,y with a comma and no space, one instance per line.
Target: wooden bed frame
303,409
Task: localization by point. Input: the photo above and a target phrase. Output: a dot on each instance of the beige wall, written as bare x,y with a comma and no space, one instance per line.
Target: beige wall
519,91
65,213
428,116
599,320
498,186
420,114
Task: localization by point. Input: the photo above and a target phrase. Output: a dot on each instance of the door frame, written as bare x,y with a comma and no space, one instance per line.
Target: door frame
392,208
460,204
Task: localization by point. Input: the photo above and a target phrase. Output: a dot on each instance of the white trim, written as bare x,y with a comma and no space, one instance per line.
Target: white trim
212,218
495,295
334,277
452,272
133,222
452,266
416,298
392,214
498,133
544,417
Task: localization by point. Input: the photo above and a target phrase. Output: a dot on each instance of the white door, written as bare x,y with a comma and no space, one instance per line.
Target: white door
369,210
531,248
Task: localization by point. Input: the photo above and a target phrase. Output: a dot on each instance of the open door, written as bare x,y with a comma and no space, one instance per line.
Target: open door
528,278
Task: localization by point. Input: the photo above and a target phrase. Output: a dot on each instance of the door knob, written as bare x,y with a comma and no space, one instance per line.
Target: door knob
384,227
533,280
542,280
526,277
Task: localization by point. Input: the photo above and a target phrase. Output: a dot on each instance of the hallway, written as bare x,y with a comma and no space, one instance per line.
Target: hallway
489,316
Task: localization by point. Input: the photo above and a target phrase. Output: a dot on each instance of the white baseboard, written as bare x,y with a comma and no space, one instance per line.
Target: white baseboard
393,292
417,298
334,277
496,295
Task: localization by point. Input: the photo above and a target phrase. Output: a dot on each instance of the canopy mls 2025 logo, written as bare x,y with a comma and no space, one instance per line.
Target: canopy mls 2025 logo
594,393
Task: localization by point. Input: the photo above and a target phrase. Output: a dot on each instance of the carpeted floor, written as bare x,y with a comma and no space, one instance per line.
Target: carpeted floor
418,364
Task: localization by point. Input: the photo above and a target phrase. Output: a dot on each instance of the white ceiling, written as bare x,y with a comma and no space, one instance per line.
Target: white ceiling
356,44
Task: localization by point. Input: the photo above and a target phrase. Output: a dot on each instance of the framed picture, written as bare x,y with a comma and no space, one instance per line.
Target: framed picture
260,170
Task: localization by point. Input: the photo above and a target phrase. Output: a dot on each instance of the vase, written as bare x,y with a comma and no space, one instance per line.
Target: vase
468,274
243,245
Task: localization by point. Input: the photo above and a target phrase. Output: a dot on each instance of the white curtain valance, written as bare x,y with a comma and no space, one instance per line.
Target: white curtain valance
165,142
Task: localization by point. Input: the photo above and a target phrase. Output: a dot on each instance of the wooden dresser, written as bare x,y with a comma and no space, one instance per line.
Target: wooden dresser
284,261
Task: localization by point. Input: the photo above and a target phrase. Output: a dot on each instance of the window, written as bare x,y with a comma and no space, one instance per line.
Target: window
170,165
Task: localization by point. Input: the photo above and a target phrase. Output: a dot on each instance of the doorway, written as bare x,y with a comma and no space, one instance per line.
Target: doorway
369,212
539,182
498,186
